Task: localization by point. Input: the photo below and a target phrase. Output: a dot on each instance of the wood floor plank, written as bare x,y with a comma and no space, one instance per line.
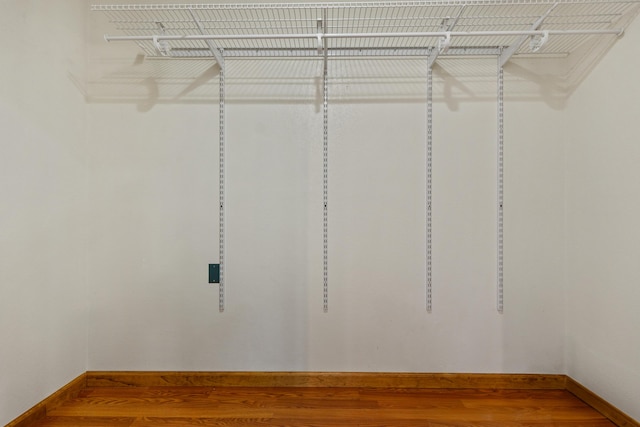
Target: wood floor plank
186,392
157,409
51,421
497,414
310,398
183,422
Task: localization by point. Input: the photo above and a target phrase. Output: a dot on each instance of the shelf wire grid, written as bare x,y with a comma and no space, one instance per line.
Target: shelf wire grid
351,26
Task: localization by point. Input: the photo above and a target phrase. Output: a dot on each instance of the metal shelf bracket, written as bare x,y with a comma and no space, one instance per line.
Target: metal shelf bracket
212,47
506,55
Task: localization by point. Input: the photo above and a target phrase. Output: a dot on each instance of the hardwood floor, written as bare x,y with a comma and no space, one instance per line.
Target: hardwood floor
317,406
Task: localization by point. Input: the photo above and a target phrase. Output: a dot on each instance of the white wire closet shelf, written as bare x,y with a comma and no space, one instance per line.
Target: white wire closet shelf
568,35
437,28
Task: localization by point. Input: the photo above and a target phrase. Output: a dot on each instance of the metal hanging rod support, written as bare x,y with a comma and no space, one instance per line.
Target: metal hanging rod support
511,50
617,31
444,43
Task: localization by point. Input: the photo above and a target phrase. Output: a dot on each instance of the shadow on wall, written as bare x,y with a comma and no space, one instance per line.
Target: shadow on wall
147,82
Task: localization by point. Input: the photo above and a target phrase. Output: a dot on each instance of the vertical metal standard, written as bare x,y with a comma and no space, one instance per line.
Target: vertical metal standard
429,180
500,225
325,187
325,165
221,189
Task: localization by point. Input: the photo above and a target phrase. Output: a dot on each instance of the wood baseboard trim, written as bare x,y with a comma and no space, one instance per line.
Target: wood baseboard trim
326,379
40,410
618,417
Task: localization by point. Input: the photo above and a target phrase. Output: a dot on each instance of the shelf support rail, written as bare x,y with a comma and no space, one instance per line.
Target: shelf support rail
325,188
221,170
429,181
500,192
324,51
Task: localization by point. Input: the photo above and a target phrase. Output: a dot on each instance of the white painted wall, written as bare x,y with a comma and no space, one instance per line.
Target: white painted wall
603,273
43,221
154,177
147,228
